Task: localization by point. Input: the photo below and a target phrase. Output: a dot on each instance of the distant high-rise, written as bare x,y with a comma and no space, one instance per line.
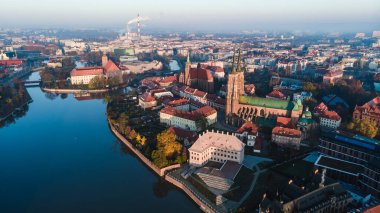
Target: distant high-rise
376,34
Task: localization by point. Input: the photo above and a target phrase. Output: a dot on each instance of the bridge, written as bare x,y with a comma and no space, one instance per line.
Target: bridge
32,83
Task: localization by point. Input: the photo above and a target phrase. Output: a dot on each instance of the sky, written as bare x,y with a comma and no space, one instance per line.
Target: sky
196,15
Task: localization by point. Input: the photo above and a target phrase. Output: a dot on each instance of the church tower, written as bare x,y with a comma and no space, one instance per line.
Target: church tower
104,60
235,87
187,70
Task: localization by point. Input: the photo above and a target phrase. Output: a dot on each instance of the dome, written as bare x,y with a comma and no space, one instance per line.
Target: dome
307,114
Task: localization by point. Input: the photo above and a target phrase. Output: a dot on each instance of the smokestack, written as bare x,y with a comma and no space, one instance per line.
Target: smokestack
138,25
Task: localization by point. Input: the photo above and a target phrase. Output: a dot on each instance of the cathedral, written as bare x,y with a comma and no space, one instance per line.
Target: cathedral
240,108
198,78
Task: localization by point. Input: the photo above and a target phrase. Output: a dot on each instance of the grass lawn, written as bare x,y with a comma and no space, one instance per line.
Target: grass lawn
243,181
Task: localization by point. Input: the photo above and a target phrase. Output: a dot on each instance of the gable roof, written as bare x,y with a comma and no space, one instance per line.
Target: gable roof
111,66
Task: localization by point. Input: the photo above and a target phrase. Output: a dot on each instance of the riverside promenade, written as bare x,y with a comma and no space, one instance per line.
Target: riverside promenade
205,206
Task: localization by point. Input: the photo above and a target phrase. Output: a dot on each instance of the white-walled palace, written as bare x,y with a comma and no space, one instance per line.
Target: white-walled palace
218,147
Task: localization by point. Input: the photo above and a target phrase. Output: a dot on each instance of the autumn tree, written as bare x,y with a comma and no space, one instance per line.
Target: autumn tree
364,127
168,149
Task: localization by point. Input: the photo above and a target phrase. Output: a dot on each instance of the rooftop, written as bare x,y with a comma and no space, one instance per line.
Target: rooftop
270,103
217,140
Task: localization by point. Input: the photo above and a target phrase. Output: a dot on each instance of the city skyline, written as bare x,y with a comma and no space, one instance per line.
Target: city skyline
206,16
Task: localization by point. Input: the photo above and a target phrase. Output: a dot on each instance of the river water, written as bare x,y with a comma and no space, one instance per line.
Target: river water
62,157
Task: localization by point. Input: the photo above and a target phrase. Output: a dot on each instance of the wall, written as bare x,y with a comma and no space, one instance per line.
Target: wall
145,160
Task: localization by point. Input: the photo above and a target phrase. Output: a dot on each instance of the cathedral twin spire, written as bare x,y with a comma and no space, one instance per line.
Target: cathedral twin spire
238,63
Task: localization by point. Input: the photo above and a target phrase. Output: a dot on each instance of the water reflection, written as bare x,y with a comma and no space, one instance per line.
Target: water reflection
161,188
17,114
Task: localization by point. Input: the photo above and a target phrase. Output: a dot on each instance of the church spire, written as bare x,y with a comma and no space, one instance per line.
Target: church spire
239,63
233,62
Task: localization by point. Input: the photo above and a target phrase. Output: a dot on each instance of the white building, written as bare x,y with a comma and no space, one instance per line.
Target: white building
189,120
302,96
217,147
85,74
330,119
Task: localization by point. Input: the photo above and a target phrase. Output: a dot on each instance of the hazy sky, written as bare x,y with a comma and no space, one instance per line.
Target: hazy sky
196,15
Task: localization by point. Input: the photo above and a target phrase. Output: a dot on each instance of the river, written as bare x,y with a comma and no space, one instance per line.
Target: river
62,157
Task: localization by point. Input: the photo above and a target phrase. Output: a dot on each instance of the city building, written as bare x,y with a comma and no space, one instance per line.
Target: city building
199,77
147,101
247,133
240,107
276,95
306,125
108,70
196,120
370,111
85,74
217,147
329,119
286,137
302,96
351,158
330,198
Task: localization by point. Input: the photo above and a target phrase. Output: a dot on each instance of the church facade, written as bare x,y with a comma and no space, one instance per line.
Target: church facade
199,78
240,108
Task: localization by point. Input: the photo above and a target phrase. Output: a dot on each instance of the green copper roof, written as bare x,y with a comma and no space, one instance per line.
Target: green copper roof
270,103
306,120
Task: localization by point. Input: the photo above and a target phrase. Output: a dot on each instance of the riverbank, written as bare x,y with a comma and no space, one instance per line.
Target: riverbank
68,91
204,206
161,172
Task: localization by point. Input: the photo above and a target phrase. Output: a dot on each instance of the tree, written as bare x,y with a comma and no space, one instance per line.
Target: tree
132,134
168,146
138,138
97,82
143,141
309,87
364,127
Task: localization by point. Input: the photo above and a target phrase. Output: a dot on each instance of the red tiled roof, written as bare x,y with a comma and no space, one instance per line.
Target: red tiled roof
169,79
284,122
248,127
194,115
111,66
332,115
11,62
286,132
189,90
375,209
371,107
146,97
249,88
200,94
154,91
276,94
193,136
203,74
87,71
320,108
178,102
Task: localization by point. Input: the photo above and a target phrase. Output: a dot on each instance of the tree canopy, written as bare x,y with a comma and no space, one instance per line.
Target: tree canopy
364,127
